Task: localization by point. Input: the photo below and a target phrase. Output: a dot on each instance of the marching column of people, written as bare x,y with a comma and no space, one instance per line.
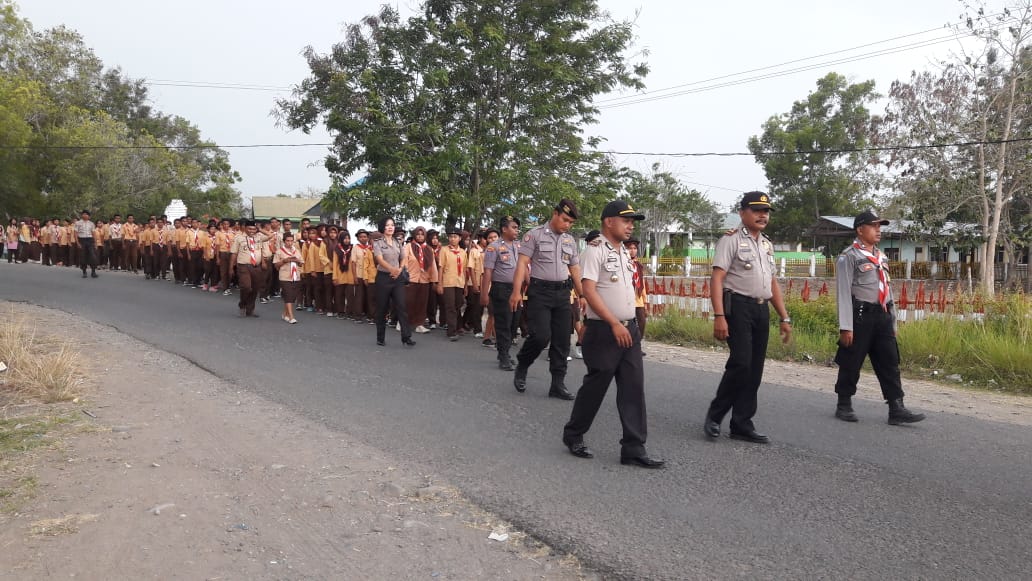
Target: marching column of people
539,285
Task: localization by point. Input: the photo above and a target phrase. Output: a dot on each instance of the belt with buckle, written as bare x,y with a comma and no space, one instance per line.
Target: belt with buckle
749,299
626,323
552,284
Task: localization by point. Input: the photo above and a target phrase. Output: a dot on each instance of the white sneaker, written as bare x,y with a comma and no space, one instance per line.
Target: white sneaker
329,314
422,329
397,327
227,292
293,321
285,318
478,335
578,353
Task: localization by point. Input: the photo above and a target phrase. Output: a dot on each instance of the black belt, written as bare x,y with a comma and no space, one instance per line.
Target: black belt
626,323
867,305
552,284
498,283
748,299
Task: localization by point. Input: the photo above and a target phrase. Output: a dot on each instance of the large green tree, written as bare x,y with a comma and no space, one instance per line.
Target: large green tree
467,109
666,203
806,155
79,135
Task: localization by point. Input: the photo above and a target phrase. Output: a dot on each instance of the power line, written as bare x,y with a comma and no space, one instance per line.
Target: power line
214,85
768,67
638,99
643,153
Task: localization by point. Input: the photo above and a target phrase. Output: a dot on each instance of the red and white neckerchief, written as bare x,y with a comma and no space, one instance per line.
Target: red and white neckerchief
458,258
196,237
883,272
291,253
251,247
214,245
161,237
636,277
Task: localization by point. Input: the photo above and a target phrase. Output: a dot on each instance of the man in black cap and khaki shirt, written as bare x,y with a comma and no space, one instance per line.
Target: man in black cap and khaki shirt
551,253
612,341
867,325
742,285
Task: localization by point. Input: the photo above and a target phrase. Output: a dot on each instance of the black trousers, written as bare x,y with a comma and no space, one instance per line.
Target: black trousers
474,316
390,292
548,319
748,325
505,319
87,254
116,254
606,360
874,335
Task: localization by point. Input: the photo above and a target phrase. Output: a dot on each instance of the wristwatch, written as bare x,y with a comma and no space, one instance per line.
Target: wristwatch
787,320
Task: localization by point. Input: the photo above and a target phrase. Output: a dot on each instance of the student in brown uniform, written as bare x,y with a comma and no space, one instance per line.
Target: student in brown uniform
422,276
316,262
452,283
161,249
288,262
146,241
343,274
55,249
473,318
224,243
196,239
99,237
434,320
211,259
330,242
641,297
44,242
131,244
12,240
248,257
367,273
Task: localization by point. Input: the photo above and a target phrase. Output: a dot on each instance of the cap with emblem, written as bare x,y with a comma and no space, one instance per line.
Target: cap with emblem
566,207
621,209
454,232
592,235
868,217
756,200
632,241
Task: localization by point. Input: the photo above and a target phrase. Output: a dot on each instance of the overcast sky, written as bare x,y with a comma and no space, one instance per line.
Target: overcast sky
260,43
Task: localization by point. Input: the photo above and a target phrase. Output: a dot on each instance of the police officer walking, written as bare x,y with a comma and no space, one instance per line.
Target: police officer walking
867,325
500,258
550,251
84,228
612,341
742,285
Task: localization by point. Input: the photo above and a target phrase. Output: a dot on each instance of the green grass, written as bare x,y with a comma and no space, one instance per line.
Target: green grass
992,353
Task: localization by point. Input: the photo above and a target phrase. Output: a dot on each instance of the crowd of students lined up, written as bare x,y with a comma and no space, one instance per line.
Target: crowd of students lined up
333,275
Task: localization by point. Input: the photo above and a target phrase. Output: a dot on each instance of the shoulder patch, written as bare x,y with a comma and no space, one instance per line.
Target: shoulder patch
526,238
490,249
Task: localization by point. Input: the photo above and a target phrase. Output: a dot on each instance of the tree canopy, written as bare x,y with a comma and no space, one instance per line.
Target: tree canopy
78,135
467,110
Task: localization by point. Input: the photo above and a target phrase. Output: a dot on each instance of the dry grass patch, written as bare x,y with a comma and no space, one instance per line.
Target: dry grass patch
40,366
65,525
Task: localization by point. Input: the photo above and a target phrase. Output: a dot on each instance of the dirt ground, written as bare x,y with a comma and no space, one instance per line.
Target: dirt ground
184,476
195,478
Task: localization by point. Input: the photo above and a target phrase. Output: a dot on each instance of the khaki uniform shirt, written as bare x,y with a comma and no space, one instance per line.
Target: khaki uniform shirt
551,254
130,231
453,267
247,249
341,276
475,258
285,270
84,228
415,262
748,261
857,277
501,256
613,272
391,253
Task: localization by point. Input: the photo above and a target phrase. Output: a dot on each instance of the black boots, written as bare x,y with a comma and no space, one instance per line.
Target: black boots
844,409
898,414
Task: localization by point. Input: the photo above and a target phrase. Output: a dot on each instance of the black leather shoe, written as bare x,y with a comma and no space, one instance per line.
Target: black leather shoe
751,436
519,380
580,450
505,365
711,428
380,342
642,462
560,392
408,341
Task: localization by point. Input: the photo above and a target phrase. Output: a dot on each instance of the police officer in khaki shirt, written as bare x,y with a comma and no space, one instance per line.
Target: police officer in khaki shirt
867,324
551,253
500,259
612,341
742,285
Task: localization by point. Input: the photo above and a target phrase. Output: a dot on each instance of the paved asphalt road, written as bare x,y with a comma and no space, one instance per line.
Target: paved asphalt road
949,498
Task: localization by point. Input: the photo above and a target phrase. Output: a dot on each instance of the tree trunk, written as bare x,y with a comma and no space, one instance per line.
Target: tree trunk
988,277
